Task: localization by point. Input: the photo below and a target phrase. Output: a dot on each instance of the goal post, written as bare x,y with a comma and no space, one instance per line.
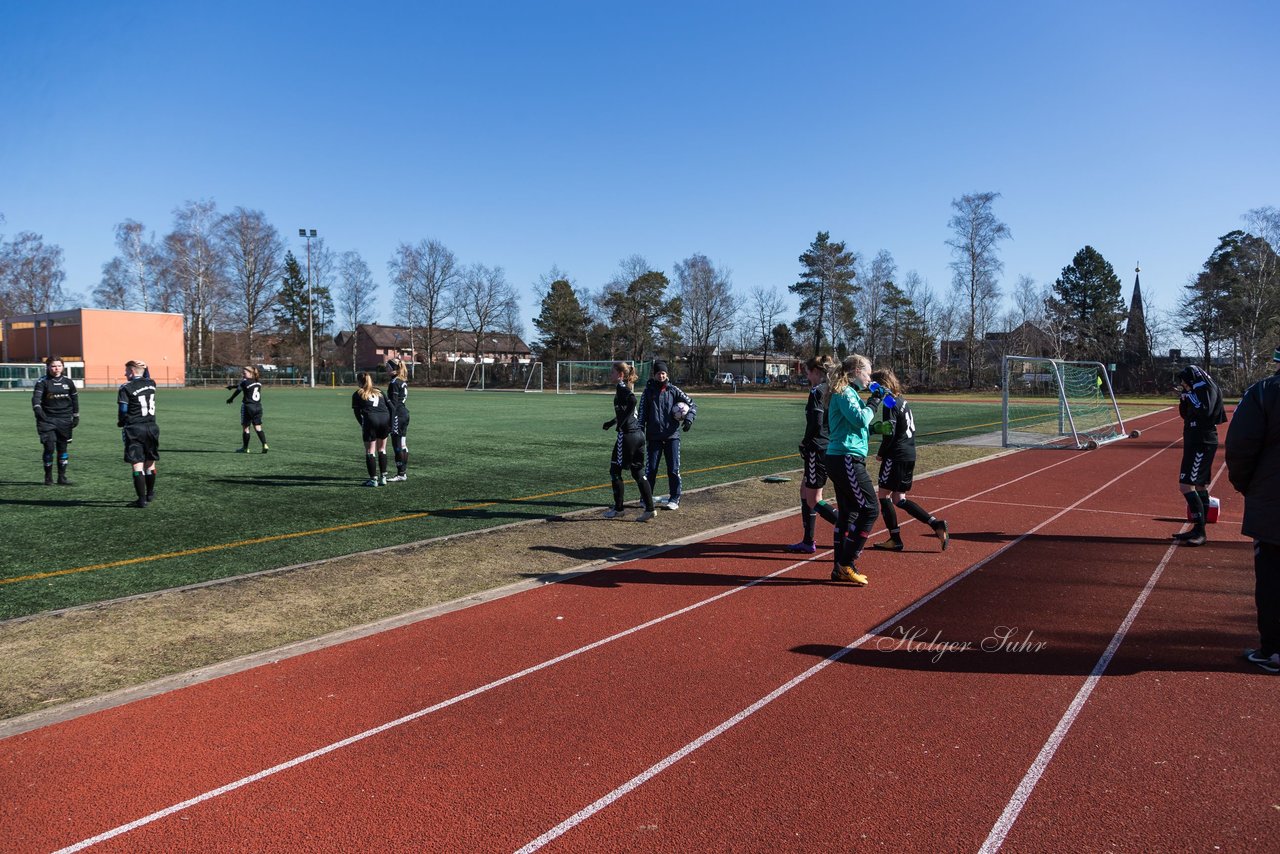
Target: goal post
524,377
580,377
1054,403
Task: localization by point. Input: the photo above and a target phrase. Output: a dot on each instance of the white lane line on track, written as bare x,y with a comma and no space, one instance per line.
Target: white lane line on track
412,716
1004,824
640,779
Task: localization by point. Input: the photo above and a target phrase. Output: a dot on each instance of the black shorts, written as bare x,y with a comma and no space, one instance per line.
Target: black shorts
51,429
896,475
141,442
814,463
250,415
1197,463
628,450
400,423
375,428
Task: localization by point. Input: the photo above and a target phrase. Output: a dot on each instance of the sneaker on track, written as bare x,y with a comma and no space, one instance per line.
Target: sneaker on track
611,513
672,504
1190,538
646,516
802,548
1269,663
849,574
889,545
940,531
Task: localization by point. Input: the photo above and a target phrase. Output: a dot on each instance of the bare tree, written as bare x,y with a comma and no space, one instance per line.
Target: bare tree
32,275
355,294
424,276
197,267
113,291
874,280
709,308
482,300
255,255
763,310
976,268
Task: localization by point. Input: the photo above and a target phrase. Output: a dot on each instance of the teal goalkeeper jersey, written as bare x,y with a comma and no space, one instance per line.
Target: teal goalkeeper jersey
848,417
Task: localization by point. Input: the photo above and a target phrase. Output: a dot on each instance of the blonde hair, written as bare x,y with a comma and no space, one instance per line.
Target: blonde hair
887,378
839,377
252,371
399,369
823,364
366,389
627,371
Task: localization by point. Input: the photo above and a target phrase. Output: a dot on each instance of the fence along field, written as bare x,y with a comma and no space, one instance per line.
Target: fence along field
476,461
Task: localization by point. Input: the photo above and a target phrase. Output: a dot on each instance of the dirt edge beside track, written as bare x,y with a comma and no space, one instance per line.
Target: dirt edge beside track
64,664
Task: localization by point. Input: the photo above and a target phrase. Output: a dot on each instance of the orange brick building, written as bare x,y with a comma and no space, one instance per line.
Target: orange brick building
104,340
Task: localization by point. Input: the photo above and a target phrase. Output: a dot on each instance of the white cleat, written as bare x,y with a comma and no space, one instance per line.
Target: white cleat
672,504
400,478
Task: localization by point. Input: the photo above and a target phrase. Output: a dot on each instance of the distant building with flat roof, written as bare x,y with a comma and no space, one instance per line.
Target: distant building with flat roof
103,339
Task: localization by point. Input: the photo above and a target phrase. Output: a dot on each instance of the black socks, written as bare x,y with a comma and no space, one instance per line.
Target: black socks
371,463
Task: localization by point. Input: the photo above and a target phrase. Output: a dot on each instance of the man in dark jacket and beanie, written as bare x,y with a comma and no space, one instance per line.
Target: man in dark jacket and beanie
1253,465
662,427
1200,405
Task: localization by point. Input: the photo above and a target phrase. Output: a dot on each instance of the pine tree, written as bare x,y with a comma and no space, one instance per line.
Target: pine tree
1086,302
825,289
562,323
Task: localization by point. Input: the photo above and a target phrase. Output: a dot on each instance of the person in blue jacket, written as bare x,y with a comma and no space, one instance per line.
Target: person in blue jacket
848,420
662,429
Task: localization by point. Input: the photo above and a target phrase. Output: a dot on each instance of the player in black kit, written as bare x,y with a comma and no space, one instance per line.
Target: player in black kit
397,402
57,410
136,416
813,453
1200,405
370,408
250,407
897,457
628,449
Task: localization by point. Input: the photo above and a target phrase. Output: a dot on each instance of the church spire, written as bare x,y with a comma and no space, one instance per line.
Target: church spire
1136,340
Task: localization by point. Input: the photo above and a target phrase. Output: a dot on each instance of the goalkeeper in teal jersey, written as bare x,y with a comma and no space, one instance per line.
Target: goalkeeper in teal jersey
897,456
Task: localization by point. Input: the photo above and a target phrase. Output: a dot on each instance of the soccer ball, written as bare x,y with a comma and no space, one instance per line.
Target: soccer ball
680,410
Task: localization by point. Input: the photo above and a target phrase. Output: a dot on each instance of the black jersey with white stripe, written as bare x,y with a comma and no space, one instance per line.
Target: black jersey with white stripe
624,410
815,420
397,394
252,391
136,402
373,407
1202,411
900,445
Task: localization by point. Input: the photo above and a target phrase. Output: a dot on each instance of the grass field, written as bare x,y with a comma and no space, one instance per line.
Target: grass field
478,460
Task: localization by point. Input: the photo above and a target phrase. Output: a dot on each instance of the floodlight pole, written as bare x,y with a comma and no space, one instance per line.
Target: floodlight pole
311,326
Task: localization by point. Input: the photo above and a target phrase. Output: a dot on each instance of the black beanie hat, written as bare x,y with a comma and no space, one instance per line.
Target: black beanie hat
660,366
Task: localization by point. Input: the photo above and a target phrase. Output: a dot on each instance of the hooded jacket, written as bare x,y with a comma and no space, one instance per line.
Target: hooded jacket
1253,458
656,405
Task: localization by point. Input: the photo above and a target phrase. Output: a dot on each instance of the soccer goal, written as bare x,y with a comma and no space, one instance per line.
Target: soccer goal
505,377
575,377
1051,403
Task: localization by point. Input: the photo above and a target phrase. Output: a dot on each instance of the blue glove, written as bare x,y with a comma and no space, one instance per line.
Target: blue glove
889,401
877,391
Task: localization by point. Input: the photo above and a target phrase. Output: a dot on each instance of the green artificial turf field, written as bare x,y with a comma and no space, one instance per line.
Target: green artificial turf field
477,460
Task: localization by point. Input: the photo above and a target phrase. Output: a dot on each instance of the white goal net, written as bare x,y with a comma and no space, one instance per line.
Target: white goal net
505,377
580,377
1051,403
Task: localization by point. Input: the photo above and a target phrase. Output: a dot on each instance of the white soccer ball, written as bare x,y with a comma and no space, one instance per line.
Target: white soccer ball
680,410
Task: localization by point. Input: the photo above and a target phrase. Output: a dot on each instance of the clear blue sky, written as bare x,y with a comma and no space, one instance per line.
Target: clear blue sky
527,134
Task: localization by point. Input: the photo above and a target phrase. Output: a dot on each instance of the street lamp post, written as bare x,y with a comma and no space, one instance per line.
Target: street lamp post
311,326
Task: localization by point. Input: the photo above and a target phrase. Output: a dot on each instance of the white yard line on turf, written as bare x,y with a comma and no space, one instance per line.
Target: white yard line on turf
640,779
1010,815
354,739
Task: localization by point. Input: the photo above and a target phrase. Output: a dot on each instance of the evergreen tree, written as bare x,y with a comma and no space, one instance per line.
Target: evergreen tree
825,289
562,323
1086,301
642,316
292,304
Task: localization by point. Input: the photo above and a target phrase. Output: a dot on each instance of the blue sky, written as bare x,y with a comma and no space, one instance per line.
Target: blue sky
527,134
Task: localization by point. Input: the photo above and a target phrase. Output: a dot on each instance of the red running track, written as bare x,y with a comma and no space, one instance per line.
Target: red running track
724,696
